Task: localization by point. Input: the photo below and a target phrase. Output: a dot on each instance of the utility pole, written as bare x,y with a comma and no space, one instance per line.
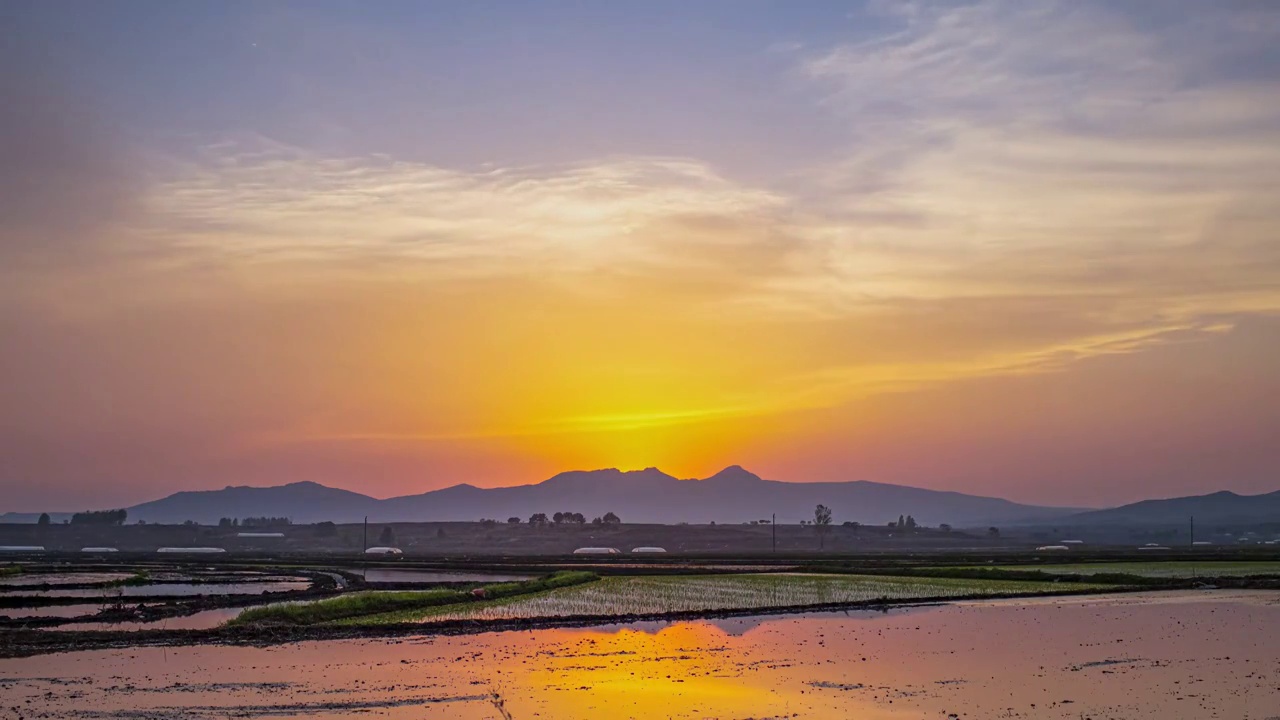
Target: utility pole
773,523
1194,574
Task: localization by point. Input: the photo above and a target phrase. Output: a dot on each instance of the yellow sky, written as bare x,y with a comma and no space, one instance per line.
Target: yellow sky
1046,269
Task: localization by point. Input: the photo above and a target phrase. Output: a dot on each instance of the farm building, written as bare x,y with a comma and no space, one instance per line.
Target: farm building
648,549
596,551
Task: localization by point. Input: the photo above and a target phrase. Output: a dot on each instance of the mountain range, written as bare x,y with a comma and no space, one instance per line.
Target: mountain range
733,495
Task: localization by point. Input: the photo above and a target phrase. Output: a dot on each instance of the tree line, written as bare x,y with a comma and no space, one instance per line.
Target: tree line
569,518
254,522
98,517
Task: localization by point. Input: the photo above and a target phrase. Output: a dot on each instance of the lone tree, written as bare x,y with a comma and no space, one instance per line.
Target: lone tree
611,519
387,537
513,520
44,519
822,523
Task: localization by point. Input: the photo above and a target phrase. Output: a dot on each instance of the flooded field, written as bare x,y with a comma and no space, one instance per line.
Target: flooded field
689,593
60,611
1160,569
169,589
54,579
196,621
1186,654
391,575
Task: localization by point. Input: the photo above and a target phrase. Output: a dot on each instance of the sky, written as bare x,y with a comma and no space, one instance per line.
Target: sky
1025,248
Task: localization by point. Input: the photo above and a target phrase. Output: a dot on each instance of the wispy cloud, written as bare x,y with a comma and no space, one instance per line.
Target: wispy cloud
1025,184
276,202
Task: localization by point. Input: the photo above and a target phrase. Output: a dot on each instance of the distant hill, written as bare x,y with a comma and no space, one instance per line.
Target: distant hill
733,495
303,502
1220,508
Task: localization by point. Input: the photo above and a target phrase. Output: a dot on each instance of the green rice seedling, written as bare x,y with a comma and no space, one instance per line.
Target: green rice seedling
691,593
363,605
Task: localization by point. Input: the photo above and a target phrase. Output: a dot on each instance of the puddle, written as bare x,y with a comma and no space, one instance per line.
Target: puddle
1209,655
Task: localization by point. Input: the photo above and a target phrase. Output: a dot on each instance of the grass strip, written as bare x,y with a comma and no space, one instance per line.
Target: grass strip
141,577
361,604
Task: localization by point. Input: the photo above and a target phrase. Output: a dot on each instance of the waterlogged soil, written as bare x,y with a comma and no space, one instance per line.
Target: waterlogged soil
51,611
388,575
1161,569
26,580
1205,654
168,590
202,620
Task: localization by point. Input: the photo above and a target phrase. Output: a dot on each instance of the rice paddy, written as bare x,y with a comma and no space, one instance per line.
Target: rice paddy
377,604
665,594
1159,569
71,578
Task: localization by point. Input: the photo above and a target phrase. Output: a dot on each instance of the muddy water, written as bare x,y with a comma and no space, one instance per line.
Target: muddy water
169,589
391,575
195,621
1202,655
53,579
62,611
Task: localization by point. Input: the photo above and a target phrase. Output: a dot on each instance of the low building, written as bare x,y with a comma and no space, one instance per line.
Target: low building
1052,547
98,550
191,550
596,551
21,548
648,549
383,551
260,535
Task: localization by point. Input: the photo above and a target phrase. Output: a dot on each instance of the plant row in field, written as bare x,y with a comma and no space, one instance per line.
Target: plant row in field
1176,569
362,604
665,594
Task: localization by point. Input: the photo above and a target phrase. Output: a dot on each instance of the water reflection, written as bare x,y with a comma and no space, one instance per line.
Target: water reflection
1210,654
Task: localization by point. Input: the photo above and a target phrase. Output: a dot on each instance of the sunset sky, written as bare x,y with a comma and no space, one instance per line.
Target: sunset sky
1026,248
